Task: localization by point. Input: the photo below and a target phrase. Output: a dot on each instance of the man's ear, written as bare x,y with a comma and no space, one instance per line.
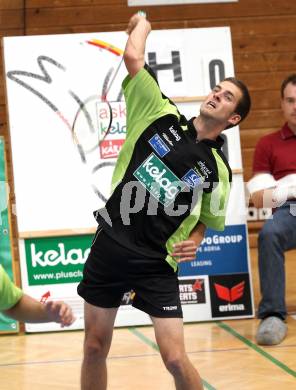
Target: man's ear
234,119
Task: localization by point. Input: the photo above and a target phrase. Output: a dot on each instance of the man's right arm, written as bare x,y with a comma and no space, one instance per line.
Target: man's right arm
267,192
258,198
261,188
262,183
134,53
144,99
264,190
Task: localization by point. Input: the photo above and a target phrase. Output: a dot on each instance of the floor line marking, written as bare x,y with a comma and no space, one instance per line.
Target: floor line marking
115,357
256,348
153,345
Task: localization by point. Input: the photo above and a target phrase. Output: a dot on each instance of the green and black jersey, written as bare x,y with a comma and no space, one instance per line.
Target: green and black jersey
164,181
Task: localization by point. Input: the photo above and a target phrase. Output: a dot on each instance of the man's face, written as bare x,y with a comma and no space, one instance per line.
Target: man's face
221,103
289,104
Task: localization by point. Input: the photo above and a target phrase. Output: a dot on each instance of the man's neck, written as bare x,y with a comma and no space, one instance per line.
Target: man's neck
206,129
292,127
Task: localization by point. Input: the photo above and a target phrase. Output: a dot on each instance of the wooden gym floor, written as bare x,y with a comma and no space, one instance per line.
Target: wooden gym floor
224,352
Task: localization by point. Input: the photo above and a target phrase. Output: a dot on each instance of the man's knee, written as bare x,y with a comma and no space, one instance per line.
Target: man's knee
95,348
175,362
269,233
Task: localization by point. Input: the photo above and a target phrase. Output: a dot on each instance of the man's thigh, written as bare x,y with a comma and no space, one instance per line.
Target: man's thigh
283,224
169,334
104,274
99,323
156,288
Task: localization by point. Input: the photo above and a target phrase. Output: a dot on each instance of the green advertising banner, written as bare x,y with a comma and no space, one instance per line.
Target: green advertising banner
6,324
56,260
51,268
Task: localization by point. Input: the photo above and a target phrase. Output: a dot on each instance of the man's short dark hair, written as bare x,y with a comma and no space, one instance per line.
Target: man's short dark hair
244,104
290,79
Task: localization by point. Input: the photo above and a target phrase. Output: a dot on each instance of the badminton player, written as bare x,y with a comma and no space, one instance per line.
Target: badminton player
169,178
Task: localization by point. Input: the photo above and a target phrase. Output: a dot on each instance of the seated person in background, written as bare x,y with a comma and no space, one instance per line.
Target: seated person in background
19,306
274,186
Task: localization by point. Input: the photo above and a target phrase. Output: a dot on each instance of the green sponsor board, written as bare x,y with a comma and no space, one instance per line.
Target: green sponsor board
159,180
6,324
56,260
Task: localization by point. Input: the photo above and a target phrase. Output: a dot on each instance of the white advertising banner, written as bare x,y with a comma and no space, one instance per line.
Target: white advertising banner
60,92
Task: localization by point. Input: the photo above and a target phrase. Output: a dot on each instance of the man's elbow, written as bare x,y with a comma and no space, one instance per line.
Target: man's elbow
133,62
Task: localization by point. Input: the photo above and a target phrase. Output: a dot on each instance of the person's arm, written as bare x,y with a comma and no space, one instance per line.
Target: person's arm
257,199
261,185
186,250
265,191
134,53
30,310
263,198
10,294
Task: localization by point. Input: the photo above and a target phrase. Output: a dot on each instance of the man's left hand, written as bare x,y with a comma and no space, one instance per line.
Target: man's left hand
184,250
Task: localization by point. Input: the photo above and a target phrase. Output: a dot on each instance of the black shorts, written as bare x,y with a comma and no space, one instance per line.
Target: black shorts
111,270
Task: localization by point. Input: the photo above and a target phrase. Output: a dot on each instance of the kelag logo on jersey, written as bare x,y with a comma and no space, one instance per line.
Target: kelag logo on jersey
192,291
159,145
159,180
230,295
192,178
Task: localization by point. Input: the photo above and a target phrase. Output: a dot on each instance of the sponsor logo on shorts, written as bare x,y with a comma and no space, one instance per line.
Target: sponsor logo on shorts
159,145
159,180
192,178
170,308
127,298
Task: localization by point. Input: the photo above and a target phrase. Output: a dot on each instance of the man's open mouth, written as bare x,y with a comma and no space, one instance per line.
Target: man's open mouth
211,104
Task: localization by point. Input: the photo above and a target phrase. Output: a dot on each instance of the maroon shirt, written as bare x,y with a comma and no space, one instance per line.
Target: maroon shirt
275,153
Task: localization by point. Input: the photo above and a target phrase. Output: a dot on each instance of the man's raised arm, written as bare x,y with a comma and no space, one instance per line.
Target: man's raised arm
138,30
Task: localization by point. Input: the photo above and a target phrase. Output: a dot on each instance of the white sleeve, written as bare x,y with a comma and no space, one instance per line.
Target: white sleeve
285,189
287,181
262,181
